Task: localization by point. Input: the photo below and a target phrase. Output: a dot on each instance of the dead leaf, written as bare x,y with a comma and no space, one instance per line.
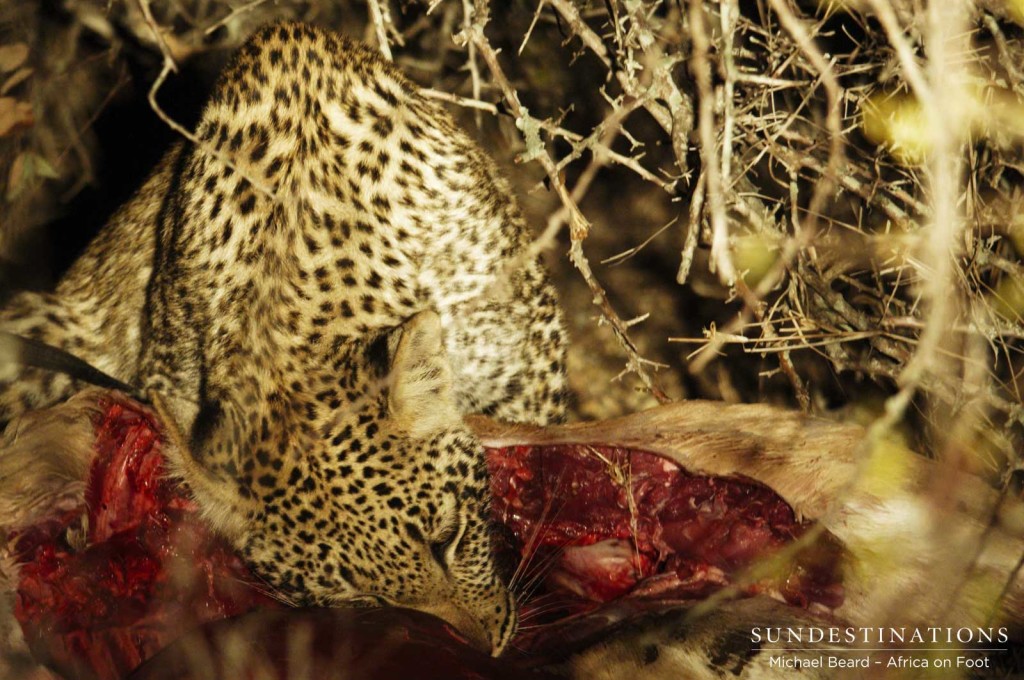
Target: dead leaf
14,115
12,56
17,79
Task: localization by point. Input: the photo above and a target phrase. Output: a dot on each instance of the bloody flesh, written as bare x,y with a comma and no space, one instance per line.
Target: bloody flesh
144,571
593,523
605,522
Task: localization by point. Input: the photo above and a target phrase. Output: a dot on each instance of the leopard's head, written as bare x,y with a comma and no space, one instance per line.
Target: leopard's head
379,495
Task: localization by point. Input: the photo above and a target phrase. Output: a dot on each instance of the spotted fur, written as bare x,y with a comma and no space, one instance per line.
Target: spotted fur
319,312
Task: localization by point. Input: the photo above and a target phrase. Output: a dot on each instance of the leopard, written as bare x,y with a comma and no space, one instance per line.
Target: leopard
317,287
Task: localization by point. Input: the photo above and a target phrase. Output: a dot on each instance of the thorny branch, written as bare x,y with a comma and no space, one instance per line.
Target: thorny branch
579,227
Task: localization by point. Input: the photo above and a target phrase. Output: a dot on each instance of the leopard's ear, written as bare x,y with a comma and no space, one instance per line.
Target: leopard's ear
421,400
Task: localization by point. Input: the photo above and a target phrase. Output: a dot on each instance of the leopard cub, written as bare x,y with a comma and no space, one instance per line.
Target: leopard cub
319,291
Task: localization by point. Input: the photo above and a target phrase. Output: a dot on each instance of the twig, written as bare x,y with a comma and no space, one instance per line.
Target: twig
253,4
380,28
693,230
727,11
701,69
158,36
785,359
468,17
625,255
459,101
533,24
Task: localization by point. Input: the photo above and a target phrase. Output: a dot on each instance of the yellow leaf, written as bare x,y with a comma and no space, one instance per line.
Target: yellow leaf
1016,8
900,123
754,254
1008,298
